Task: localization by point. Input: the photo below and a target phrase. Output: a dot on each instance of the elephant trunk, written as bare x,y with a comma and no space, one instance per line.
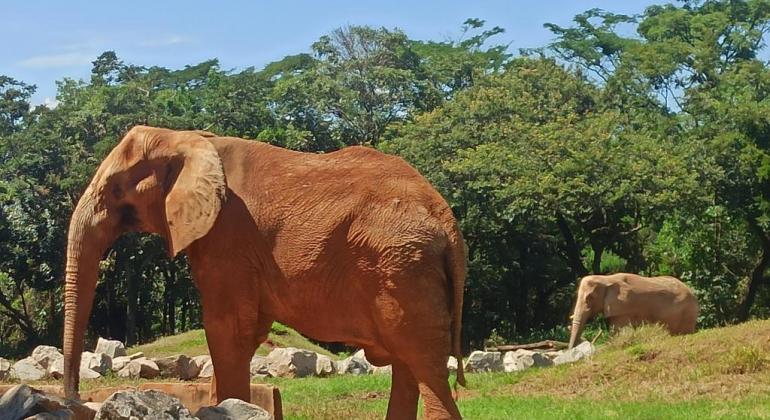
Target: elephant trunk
87,240
579,319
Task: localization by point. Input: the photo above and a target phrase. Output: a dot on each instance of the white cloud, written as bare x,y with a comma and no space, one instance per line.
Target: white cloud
58,60
165,41
50,103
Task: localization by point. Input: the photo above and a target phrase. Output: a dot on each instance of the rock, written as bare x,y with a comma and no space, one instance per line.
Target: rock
120,362
201,361
581,351
140,368
451,364
291,362
207,371
112,348
46,355
149,405
354,366
324,365
22,402
93,405
361,354
5,369
552,354
233,408
63,414
178,366
88,374
258,367
521,359
382,370
484,361
28,370
56,369
98,362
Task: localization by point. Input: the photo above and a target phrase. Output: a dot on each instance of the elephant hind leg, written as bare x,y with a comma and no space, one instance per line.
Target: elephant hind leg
432,377
404,394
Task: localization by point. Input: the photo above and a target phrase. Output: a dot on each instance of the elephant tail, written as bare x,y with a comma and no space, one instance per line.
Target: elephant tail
456,271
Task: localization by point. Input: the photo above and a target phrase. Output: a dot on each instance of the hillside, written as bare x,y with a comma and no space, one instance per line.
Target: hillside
643,373
193,343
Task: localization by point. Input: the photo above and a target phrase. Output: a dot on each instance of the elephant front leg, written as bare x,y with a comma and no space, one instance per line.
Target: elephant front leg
233,336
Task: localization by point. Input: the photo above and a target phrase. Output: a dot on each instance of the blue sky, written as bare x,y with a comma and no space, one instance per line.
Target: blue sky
45,41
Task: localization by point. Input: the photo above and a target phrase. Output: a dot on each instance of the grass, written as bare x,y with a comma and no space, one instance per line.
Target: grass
639,374
193,343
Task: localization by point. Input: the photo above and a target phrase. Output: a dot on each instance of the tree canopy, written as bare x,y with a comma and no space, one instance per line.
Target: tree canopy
630,143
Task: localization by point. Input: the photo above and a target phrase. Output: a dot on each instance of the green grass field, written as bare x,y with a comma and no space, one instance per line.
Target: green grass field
720,373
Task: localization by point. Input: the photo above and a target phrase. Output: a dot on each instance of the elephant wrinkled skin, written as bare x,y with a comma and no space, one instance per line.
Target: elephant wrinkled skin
352,246
630,299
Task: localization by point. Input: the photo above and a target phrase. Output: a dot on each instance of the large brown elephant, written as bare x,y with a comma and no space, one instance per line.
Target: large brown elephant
353,246
630,299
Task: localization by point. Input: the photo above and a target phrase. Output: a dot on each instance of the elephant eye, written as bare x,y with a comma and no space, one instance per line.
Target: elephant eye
128,217
117,191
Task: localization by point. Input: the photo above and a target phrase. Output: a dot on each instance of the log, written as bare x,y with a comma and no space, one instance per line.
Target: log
540,345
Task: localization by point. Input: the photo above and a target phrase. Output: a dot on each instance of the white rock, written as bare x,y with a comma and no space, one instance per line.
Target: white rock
112,348
382,370
89,374
484,361
46,355
258,367
178,366
354,366
521,359
150,404
140,368
451,364
324,365
232,408
56,369
207,371
5,369
98,362
581,351
120,362
291,362
28,370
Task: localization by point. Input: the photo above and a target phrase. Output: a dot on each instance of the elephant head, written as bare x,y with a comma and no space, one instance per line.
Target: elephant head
155,180
591,300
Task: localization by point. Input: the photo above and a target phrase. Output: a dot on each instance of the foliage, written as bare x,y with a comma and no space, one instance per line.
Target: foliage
631,143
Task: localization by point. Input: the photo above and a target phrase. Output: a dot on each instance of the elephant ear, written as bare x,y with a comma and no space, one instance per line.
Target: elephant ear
196,195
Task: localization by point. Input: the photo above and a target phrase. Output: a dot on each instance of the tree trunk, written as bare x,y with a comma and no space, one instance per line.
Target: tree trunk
571,249
131,298
596,265
758,278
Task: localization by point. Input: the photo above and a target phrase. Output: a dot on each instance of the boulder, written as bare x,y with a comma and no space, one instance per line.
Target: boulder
233,408
207,371
88,374
112,348
120,362
324,365
150,404
521,359
140,368
354,366
258,367
581,351
291,362
46,355
178,366
22,401
5,369
451,364
484,361
382,370
27,370
98,362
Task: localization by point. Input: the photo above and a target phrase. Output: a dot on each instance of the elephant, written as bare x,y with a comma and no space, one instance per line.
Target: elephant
351,246
630,299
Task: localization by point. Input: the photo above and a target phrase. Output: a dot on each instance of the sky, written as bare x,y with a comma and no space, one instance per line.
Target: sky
46,41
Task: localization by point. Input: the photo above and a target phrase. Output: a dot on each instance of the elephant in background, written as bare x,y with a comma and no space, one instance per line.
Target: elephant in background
353,246
630,299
